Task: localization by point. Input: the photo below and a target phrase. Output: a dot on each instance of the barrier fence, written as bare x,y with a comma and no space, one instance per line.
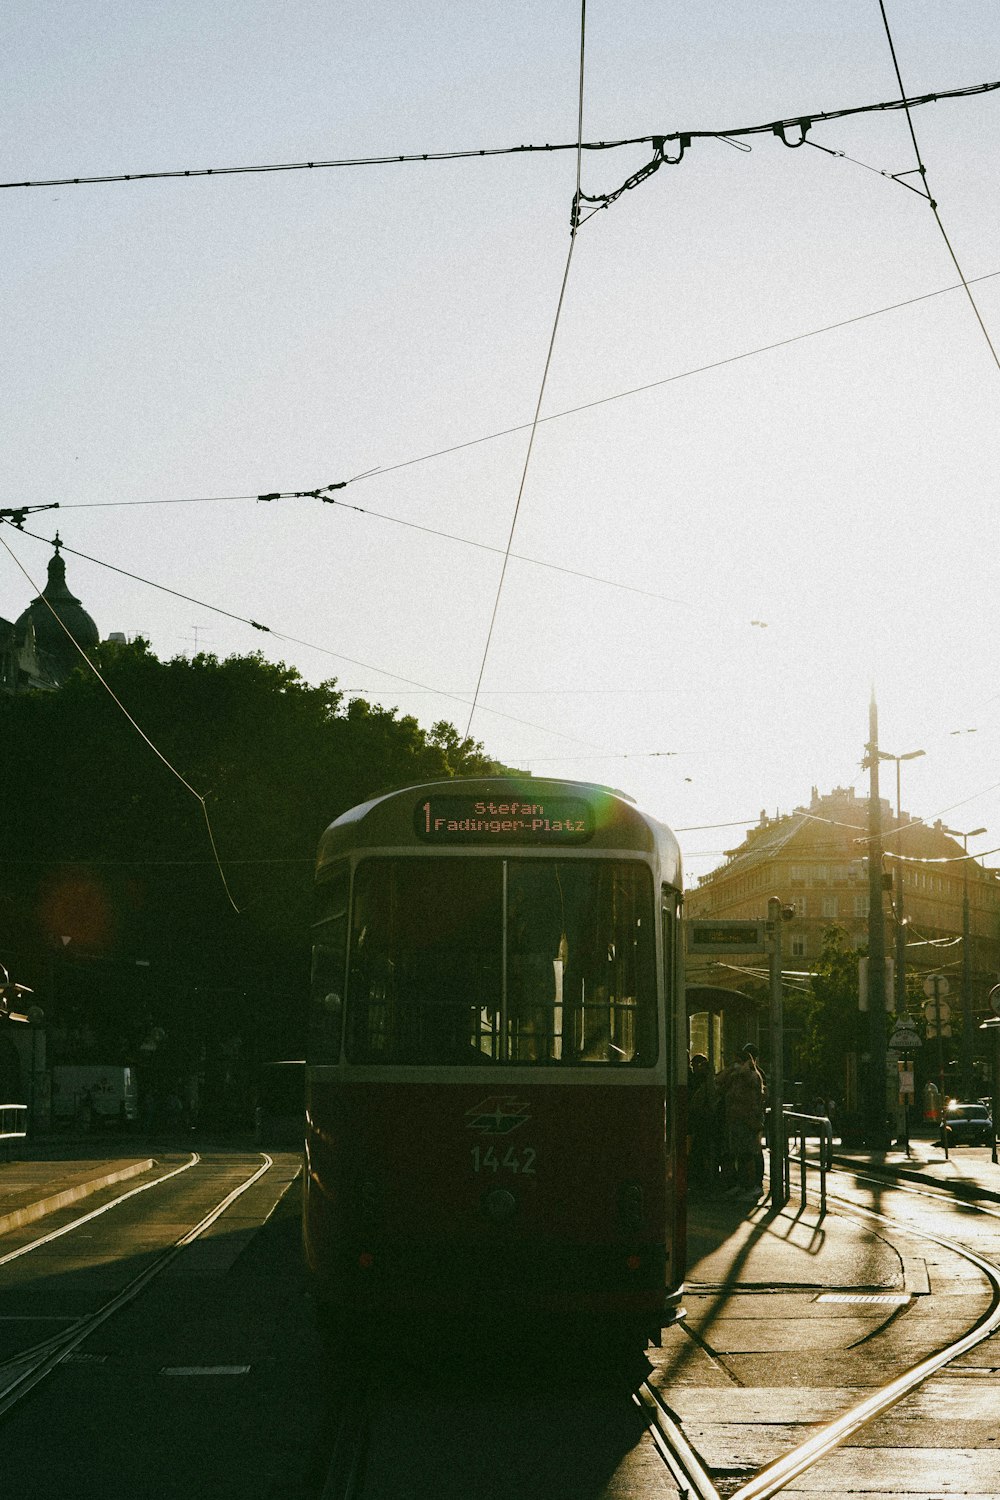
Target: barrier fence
799,1128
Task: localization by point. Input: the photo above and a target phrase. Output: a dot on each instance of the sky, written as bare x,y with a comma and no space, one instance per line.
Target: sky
736,518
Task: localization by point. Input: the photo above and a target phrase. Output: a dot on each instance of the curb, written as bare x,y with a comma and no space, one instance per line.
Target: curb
960,1187
32,1211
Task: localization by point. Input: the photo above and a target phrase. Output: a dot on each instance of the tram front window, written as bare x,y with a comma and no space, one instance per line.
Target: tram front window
437,977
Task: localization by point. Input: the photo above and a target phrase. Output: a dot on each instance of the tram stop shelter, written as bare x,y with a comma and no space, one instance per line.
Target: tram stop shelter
720,1022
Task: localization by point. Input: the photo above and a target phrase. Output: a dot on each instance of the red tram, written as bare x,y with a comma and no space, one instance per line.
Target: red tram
496,1063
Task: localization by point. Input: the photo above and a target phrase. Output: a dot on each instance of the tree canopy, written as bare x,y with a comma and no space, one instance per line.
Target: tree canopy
113,904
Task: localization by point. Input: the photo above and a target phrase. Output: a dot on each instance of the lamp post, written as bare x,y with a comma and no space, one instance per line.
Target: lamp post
876,1131
967,1045
901,1006
993,1025
902,1009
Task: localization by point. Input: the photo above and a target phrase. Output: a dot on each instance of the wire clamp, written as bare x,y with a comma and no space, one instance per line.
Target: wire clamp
780,129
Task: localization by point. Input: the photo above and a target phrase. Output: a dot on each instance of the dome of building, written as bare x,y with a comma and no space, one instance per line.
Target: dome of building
56,604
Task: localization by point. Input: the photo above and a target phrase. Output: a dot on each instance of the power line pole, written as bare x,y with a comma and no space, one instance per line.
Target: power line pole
776,1082
968,1014
877,1131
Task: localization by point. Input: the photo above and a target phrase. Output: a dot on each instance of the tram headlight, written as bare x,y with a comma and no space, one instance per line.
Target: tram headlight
631,1205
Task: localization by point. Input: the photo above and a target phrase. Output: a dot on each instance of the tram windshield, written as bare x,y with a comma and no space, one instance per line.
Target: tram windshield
544,962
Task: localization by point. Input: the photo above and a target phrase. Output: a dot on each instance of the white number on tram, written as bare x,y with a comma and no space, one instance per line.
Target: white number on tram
513,1160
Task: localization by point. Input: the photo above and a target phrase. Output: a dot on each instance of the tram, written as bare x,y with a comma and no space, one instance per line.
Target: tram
496,1064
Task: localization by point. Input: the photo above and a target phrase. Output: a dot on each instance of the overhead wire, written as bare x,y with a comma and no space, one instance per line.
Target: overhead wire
551,417
199,798
905,105
574,227
280,635
779,128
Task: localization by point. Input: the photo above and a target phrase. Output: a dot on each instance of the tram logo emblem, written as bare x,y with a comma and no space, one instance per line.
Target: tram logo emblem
498,1115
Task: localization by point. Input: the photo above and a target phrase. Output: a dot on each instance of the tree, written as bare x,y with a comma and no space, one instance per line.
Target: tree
830,1015
194,857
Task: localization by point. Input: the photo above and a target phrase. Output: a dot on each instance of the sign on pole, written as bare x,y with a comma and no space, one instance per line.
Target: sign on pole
704,936
905,1037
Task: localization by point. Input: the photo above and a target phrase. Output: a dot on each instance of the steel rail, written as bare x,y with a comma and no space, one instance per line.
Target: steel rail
784,1470
43,1359
346,1469
673,1447
96,1212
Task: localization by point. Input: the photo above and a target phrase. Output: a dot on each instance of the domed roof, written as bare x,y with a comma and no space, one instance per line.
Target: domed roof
51,640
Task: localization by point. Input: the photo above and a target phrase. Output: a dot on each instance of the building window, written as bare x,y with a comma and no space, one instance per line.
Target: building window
839,873
797,874
821,874
861,906
799,905
798,945
830,906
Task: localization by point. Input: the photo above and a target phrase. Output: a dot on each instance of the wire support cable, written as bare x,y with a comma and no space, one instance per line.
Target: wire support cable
906,105
324,492
280,635
136,726
790,131
465,541
574,227
944,859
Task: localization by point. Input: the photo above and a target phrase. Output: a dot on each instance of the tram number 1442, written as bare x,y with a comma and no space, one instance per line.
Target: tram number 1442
514,1159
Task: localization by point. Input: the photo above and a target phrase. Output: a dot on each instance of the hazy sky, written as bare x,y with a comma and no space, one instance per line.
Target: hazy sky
232,336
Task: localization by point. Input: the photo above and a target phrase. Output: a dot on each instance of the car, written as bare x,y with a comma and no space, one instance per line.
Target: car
968,1124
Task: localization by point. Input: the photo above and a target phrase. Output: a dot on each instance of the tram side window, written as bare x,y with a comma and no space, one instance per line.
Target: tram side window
329,958
425,970
581,982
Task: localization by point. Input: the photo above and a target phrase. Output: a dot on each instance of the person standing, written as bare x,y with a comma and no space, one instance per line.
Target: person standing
743,1089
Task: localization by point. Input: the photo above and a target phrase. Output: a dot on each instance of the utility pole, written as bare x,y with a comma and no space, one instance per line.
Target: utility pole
877,1132
901,1005
968,1020
776,1082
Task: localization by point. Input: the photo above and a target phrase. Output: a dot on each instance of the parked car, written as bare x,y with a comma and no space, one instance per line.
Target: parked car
968,1124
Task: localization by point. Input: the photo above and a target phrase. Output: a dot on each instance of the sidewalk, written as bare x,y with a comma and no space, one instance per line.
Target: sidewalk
793,1318
50,1172
31,1189
745,1247
967,1172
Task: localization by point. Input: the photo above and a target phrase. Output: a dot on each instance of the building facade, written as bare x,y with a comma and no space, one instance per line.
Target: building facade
815,861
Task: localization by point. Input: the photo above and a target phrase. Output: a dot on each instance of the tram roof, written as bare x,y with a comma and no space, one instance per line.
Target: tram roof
388,821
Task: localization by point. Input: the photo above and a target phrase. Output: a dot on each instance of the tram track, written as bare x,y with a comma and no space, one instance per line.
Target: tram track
685,1464
24,1371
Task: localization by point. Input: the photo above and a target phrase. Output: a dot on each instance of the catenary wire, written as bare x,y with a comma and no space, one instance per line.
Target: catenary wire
465,541
778,128
574,226
313,646
570,411
137,727
905,105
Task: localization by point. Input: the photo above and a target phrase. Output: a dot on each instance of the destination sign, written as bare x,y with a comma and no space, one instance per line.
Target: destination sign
725,937
448,819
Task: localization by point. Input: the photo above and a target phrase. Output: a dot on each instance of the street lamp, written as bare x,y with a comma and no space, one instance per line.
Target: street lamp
901,1006
876,1132
967,1081
993,1025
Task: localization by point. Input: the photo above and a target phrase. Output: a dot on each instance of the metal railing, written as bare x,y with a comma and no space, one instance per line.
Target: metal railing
13,1122
799,1127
